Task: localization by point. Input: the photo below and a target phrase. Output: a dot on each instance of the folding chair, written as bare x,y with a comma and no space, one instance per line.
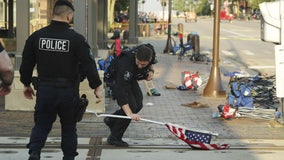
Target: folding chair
151,90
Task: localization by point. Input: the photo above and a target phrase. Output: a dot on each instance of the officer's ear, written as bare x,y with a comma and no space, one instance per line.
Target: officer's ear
70,17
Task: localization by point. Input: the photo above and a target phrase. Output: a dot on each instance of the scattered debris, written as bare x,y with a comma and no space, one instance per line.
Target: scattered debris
170,86
195,104
252,97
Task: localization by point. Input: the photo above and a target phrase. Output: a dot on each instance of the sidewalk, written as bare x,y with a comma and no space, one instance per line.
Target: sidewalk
165,108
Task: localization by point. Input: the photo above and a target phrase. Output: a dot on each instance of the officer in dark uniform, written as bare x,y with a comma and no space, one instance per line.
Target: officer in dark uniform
6,72
130,68
57,51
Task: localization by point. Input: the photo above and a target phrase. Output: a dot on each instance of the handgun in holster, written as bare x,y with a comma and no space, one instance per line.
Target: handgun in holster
81,107
35,82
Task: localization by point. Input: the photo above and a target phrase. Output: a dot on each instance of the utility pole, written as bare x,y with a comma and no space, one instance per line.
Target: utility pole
279,63
214,86
169,47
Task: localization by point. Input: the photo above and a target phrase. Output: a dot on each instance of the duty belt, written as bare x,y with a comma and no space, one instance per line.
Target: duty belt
57,82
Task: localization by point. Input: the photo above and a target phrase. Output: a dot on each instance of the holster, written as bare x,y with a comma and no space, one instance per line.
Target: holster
81,108
35,82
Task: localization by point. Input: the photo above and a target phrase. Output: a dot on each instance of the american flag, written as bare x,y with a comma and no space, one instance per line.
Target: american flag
195,139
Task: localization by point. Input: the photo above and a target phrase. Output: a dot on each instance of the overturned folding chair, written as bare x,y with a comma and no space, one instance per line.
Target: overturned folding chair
151,90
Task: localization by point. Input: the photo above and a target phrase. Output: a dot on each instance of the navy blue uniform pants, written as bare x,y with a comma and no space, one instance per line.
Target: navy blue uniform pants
135,99
50,102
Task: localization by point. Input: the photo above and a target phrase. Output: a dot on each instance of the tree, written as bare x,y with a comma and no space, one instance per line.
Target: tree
203,8
254,4
121,5
183,5
179,5
115,7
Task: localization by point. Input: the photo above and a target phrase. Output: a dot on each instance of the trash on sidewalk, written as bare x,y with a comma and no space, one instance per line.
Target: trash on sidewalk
195,104
253,91
170,86
190,81
226,112
197,139
246,91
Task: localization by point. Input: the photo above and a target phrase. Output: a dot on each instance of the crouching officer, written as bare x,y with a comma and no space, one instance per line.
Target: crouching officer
57,51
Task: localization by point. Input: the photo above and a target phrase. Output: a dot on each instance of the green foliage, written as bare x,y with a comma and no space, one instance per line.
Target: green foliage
254,4
179,5
121,5
203,8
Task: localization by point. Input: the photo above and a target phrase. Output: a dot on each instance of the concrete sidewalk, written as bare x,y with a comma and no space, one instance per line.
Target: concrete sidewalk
146,149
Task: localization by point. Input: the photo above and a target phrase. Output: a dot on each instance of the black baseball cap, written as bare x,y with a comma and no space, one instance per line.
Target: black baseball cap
64,3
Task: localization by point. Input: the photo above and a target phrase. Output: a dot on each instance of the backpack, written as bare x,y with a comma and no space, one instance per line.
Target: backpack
110,71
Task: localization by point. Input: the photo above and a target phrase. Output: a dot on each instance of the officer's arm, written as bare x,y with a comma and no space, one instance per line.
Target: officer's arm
28,63
6,69
88,64
127,110
150,73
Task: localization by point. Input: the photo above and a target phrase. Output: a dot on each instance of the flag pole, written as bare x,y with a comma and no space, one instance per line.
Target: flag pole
148,120
126,117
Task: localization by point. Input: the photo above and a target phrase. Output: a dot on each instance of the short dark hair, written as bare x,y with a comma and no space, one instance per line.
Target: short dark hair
144,53
60,3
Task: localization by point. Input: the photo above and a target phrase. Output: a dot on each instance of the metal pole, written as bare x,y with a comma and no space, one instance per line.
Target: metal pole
169,47
281,119
214,86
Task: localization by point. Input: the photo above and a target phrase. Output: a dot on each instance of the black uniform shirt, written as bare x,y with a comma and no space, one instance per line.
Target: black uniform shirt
127,73
56,50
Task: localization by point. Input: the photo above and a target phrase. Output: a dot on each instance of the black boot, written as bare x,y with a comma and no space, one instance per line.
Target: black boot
117,142
35,155
68,158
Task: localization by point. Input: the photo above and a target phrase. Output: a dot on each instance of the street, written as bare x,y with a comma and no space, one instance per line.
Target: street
240,43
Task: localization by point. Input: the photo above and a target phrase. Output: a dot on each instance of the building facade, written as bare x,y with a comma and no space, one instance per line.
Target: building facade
20,18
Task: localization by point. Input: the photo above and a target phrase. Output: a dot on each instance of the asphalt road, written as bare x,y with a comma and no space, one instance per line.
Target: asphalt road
239,43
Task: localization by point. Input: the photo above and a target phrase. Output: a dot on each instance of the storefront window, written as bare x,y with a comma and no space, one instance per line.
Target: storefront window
2,14
38,14
7,18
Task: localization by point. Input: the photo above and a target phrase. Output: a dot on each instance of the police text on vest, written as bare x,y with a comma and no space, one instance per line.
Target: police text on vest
55,45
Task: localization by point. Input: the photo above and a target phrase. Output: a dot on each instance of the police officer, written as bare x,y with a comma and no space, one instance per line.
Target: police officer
57,51
6,72
130,68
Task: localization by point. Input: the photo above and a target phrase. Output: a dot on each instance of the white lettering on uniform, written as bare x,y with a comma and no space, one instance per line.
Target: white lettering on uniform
54,45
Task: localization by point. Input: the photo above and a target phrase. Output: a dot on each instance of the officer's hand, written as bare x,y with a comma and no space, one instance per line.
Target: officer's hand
150,76
98,94
135,117
29,92
4,90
